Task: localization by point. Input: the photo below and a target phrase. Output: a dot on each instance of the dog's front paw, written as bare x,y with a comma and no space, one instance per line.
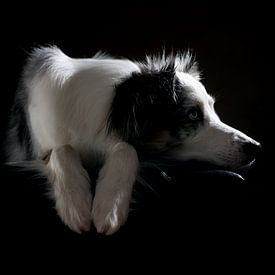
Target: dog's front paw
75,212
109,215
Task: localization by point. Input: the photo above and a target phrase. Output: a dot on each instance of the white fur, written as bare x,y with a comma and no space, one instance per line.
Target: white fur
60,103
70,188
215,142
111,204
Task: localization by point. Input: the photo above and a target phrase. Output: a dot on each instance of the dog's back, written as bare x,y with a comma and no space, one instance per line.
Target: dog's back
62,99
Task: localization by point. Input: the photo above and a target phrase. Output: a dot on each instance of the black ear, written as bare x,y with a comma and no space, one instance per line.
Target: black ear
139,102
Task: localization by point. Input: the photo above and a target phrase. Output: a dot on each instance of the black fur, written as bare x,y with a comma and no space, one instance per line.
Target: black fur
18,137
145,103
149,102
18,134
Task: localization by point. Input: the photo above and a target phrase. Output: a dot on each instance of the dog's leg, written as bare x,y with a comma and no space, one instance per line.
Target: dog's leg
114,189
70,188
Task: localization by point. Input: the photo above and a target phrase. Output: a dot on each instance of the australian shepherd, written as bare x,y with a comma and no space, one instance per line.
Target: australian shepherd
70,114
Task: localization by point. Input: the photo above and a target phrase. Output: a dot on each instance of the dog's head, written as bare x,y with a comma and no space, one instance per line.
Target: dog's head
165,109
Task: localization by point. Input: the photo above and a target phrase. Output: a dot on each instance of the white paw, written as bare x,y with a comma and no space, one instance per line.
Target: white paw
70,188
75,211
109,215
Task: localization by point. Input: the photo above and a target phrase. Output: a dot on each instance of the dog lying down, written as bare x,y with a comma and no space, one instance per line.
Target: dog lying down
70,114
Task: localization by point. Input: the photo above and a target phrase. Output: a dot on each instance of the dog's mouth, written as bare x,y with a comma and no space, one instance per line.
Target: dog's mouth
244,169
248,165
239,172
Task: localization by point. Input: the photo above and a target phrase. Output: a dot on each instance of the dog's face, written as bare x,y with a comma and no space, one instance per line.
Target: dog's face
203,136
167,110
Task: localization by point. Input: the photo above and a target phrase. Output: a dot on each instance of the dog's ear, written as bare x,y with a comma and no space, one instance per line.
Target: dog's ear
140,101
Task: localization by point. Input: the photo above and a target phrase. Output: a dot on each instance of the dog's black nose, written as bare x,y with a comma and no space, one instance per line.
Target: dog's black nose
251,150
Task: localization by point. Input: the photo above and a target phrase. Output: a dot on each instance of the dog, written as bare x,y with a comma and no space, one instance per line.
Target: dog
70,114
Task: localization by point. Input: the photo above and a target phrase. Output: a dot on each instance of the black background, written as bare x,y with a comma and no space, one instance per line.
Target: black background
232,45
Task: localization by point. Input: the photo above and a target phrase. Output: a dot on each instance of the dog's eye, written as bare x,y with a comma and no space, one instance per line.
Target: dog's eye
193,114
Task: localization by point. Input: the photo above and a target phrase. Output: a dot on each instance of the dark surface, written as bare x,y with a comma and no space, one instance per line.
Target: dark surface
189,213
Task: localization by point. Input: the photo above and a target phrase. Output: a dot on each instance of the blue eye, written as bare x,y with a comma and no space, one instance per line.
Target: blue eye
193,114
